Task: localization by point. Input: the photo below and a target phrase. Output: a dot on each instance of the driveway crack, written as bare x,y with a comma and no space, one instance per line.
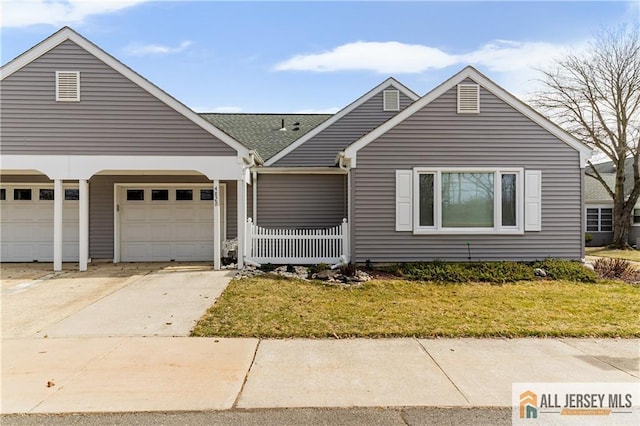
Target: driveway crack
246,376
443,372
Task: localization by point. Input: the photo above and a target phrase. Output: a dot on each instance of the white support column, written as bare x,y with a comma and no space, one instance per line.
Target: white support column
254,192
242,220
83,224
58,197
216,224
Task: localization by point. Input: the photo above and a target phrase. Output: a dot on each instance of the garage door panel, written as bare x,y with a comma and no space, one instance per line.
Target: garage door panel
25,213
70,231
70,252
160,251
160,213
134,252
134,213
185,251
136,232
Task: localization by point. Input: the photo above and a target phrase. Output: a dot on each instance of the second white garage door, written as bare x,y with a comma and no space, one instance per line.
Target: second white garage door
168,222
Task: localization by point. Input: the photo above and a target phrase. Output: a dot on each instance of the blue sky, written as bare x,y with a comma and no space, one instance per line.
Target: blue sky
314,56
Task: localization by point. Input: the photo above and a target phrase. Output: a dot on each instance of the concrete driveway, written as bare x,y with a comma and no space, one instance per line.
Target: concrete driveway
126,299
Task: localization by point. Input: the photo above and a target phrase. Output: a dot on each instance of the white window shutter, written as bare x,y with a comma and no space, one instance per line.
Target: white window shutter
533,200
404,200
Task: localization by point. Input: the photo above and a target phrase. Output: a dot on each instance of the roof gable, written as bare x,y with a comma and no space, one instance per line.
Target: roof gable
342,113
67,33
473,74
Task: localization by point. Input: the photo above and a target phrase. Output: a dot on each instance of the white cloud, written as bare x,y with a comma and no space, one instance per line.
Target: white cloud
219,109
136,49
330,110
509,56
382,57
23,13
395,57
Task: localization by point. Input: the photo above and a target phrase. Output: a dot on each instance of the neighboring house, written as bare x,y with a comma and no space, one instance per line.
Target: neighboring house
599,205
98,163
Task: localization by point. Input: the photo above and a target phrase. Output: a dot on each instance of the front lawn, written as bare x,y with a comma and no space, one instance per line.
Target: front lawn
633,255
280,308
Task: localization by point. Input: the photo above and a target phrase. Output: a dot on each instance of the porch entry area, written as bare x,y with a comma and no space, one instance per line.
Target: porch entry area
297,246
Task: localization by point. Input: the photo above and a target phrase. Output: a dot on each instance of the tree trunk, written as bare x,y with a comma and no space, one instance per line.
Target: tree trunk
621,227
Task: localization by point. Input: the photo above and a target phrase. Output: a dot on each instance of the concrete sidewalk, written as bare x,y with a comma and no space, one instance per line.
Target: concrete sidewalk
61,375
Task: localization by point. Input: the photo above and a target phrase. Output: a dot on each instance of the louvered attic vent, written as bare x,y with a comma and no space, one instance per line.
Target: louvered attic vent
468,99
391,100
67,86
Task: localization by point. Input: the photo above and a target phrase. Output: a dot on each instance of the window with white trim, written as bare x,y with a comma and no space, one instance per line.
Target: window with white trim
636,216
67,86
468,200
600,219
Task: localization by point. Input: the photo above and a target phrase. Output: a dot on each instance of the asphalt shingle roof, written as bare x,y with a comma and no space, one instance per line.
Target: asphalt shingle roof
262,132
593,189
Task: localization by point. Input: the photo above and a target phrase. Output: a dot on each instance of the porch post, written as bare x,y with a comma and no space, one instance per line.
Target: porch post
216,224
58,196
242,220
83,223
254,193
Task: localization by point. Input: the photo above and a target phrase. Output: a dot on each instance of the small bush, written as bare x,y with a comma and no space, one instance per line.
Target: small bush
290,269
348,270
588,238
613,268
267,267
314,269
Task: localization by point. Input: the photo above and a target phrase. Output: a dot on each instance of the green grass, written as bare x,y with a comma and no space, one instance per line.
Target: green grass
280,308
633,255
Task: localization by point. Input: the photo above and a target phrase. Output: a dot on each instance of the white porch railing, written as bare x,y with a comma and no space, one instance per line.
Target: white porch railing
297,246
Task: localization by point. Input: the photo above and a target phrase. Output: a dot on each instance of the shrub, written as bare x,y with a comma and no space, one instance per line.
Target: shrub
613,268
566,270
588,238
267,267
348,270
490,272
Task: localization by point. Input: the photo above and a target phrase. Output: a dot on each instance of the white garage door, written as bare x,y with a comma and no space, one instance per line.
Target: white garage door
168,222
26,217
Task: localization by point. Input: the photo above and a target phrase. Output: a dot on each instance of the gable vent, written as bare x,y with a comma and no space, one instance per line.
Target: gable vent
468,99
67,86
391,100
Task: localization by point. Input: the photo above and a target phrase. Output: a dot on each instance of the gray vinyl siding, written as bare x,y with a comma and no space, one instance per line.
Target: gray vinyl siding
301,201
437,136
321,150
114,116
101,191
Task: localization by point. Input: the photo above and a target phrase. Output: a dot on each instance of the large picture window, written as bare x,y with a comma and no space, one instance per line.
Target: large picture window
468,200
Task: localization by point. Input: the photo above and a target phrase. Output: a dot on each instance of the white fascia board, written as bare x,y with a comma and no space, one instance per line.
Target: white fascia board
299,171
343,112
470,72
68,34
76,167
